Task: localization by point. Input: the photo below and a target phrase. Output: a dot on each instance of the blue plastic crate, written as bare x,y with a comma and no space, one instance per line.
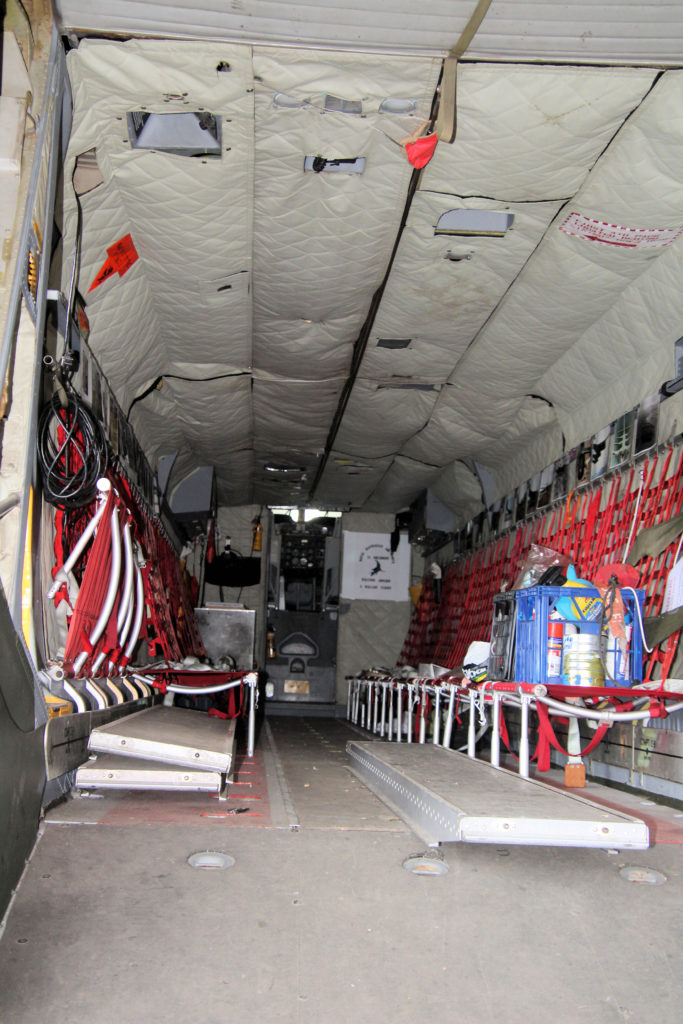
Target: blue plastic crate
535,605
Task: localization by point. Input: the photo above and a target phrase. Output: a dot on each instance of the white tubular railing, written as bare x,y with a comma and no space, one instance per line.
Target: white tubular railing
61,576
109,600
392,717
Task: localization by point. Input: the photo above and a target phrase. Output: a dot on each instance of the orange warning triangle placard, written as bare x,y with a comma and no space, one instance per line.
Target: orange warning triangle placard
123,254
120,257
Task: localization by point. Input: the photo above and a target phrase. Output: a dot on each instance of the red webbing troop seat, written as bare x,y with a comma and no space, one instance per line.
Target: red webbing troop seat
592,528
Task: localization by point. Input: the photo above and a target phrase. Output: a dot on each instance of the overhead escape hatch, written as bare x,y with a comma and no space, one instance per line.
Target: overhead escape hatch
189,133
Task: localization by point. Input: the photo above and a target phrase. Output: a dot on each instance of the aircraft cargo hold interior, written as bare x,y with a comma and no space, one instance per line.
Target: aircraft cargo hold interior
341,511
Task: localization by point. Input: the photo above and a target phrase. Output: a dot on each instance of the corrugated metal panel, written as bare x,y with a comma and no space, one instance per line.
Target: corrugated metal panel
573,30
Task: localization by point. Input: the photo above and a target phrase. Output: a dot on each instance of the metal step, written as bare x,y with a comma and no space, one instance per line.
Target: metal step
177,736
447,797
111,771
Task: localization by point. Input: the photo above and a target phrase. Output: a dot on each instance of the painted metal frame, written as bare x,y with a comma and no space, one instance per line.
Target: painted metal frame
47,148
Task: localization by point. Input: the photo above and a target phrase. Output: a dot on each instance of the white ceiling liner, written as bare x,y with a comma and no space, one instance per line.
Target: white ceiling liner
451,304
397,487
345,475
308,349
573,30
644,358
395,415
207,424
305,407
459,489
322,248
573,283
191,224
442,303
323,241
546,126
262,277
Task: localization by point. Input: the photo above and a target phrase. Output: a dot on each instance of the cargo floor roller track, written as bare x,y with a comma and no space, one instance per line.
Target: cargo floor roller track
161,748
447,797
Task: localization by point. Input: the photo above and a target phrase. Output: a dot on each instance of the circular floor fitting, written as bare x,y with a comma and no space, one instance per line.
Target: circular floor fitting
643,876
425,865
210,860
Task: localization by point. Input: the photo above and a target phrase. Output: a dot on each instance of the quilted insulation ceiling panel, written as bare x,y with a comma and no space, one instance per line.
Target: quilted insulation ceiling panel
309,332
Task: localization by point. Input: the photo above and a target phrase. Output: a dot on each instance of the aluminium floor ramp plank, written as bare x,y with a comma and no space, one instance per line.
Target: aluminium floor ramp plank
175,736
111,771
446,797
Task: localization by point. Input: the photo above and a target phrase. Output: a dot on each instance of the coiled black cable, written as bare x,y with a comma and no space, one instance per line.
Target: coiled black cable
72,453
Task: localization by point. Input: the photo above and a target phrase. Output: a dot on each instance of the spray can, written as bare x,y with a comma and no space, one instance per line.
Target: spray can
555,637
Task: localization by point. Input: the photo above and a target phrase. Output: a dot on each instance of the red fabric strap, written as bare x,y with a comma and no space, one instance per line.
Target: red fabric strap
547,733
503,730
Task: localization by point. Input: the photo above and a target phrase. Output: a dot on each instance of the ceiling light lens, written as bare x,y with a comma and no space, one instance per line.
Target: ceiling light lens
396,105
285,102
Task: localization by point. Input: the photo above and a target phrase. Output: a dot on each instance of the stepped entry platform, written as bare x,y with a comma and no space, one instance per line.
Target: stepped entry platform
161,748
448,797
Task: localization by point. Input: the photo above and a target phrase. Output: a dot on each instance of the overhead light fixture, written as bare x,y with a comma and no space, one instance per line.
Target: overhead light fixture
408,386
343,165
190,133
275,467
672,387
285,102
394,342
396,105
340,106
474,222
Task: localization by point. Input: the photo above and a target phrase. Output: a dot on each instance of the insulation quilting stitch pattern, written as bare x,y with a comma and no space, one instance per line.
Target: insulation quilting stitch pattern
402,482
293,414
372,634
346,485
184,411
620,383
182,250
460,490
644,32
379,420
460,295
562,292
322,241
110,305
510,116
283,347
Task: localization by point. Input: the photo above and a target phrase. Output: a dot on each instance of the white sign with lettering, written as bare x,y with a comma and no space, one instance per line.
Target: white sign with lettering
370,572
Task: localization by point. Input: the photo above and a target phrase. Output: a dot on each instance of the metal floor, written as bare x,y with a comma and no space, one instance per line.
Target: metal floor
319,922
